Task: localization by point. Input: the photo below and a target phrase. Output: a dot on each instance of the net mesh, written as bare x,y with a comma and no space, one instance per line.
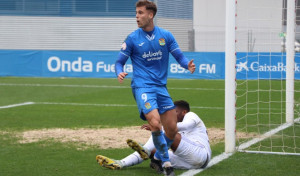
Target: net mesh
260,85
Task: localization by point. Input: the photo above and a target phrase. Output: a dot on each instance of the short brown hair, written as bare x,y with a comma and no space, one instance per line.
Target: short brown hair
182,104
148,4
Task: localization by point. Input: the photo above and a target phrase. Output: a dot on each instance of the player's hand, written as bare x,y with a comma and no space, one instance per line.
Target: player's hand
121,76
146,127
191,66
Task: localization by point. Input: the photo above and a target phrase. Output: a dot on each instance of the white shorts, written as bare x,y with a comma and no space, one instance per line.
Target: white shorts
188,155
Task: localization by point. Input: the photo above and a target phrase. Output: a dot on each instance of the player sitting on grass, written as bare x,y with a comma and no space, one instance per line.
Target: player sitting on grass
190,149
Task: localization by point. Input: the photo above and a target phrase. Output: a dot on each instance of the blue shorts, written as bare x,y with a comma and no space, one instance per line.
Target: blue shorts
148,99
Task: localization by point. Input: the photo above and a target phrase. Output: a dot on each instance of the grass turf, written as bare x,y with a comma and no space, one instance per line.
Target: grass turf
52,158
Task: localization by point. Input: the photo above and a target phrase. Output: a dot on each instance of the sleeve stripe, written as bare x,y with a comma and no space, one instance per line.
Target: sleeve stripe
124,54
174,50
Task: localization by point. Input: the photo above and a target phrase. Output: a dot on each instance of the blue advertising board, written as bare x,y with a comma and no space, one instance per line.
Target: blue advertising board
264,65
101,64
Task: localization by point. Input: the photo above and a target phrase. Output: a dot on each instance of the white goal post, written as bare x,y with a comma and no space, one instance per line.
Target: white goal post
274,96
230,72
290,61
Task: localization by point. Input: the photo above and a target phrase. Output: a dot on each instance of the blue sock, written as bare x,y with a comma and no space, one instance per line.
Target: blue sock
161,146
169,141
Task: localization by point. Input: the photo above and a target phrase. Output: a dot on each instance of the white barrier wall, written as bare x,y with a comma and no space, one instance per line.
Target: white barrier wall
78,33
64,33
209,25
205,32
264,17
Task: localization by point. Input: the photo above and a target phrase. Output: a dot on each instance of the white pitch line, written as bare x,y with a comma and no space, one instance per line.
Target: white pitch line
98,86
114,105
16,105
223,156
62,85
84,104
202,107
189,88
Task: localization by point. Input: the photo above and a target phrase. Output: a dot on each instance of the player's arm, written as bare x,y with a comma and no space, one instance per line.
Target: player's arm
119,67
186,124
178,55
189,122
183,61
146,127
124,54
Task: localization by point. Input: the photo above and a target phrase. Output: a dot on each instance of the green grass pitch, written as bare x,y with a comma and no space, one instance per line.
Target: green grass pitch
206,98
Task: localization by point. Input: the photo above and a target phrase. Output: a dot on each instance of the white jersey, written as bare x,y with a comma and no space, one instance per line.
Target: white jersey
193,151
193,128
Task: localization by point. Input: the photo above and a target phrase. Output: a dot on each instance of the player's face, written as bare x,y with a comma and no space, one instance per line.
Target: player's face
180,114
143,17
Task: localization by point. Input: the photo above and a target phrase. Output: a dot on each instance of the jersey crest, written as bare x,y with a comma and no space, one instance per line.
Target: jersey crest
147,105
162,42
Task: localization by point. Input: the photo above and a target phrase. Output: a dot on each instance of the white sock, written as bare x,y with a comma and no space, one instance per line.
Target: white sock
149,145
167,164
132,159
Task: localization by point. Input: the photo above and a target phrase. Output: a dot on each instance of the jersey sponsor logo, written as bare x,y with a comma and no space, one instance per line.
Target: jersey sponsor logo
162,42
150,56
147,105
123,46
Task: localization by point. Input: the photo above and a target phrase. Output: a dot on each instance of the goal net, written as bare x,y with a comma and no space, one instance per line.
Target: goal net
265,94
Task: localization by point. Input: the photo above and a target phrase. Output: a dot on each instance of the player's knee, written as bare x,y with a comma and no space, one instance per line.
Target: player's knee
155,124
153,119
